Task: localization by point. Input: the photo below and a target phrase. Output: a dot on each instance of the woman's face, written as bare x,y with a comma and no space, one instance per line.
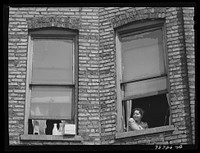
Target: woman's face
137,116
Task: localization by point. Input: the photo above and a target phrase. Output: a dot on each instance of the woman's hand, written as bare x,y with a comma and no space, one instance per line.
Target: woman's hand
133,124
131,120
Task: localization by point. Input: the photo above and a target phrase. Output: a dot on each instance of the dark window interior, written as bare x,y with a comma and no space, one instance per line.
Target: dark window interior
156,110
48,130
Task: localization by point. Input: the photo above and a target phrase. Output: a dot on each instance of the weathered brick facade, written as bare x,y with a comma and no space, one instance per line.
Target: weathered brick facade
96,106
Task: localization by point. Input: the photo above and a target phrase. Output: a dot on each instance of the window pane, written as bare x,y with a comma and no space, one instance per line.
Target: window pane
52,60
51,101
142,55
147,86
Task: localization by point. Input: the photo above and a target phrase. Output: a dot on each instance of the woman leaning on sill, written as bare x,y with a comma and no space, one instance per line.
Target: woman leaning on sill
135,122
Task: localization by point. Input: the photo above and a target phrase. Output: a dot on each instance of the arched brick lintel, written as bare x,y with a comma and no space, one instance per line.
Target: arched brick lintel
126,18
53,21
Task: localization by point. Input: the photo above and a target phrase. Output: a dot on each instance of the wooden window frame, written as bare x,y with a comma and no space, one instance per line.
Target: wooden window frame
136,28
55,33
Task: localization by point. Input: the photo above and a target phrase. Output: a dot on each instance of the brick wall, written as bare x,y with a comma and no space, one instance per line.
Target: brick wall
96,108
188,16
83,19
107,75
180,102
17,60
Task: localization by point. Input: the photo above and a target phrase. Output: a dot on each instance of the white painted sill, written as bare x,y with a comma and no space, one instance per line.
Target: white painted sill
161,129
27,137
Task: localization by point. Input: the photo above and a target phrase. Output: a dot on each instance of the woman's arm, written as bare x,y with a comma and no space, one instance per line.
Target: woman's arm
145,126
133,125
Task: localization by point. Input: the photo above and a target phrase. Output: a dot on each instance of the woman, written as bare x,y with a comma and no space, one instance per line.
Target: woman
135,122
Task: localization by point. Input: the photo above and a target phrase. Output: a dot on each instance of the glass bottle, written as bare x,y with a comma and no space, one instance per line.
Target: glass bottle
36,129
60,128
55,129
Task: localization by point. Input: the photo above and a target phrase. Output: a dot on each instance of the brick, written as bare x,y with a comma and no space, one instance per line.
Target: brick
171,137
87,9
19,91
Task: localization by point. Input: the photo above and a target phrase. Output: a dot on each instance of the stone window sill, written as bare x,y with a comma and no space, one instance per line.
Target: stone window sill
51,137
145,132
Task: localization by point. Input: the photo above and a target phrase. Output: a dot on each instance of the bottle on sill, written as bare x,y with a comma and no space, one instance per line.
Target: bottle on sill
60,128
36,129
55,129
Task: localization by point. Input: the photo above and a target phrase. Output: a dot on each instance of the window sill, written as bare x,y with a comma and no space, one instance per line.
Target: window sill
51,137
145,132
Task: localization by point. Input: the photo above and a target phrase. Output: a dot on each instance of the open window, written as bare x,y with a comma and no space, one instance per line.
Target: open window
156,110
142,78
52,87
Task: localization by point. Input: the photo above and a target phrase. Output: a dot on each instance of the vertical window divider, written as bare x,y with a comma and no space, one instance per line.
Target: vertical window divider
167,70
28,81
120,111
76,82
73,74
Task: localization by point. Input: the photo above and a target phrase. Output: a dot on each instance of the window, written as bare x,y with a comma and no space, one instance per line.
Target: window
142,74
51,81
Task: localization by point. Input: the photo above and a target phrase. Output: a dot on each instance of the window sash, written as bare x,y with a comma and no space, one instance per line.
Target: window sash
144,95
48,104
143,79
72,85
49,69
135,65
43,83
49,118
123,35
145,87
57,34
128,30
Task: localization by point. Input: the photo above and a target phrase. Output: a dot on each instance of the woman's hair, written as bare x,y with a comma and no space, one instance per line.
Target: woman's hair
141,111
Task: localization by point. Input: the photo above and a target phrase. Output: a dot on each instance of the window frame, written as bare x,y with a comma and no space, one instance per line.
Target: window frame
55,33
136,28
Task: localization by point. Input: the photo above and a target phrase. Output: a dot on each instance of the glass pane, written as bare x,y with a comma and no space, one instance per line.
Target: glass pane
51,101
142,55
52,60
147,86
